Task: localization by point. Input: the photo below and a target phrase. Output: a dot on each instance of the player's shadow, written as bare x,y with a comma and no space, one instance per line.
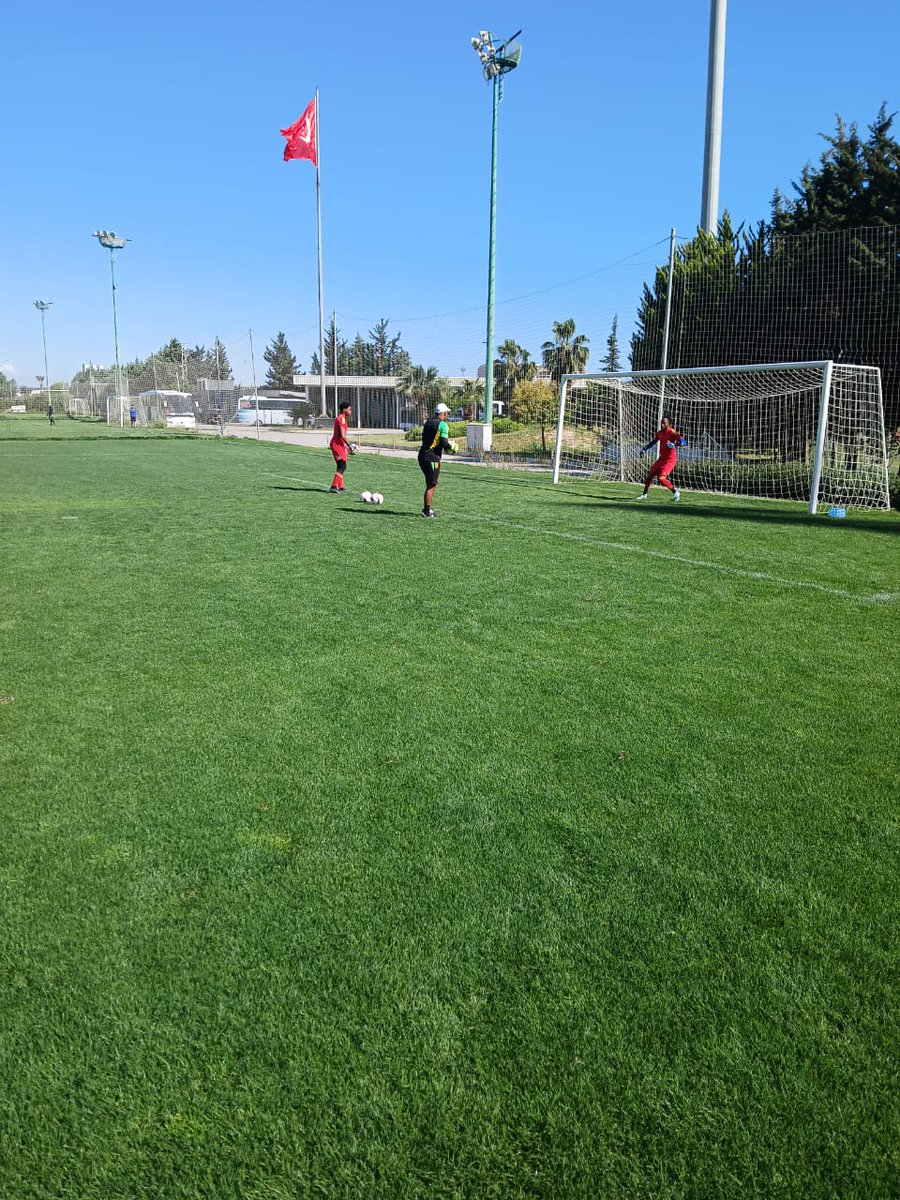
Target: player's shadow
690,508
284,487
371,512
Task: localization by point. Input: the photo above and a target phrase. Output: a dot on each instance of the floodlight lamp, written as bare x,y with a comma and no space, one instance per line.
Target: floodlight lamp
43,305
484,35
476,43
509,57
109,239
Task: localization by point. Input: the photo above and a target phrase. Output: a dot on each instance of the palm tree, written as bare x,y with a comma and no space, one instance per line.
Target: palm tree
471,397
568,354
420,387
515,365
505,368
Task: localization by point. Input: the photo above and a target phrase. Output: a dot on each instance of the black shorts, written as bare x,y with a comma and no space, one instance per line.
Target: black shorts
431,468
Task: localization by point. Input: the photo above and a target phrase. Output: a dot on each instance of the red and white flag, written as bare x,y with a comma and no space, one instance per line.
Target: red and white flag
302,137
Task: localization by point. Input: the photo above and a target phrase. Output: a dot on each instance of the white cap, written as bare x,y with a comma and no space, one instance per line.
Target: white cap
441,408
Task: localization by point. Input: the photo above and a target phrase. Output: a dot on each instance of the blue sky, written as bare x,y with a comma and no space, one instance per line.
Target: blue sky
162,122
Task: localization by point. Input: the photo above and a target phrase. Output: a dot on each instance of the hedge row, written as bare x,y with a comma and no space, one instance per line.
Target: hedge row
458,428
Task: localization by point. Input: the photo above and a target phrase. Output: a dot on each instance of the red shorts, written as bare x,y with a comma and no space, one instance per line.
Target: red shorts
339,450
664,466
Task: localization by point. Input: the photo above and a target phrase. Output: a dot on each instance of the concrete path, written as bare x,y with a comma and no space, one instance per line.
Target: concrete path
310,438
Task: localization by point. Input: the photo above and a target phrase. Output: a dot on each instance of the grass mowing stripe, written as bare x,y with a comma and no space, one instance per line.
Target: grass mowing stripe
721,568
346,854
623,547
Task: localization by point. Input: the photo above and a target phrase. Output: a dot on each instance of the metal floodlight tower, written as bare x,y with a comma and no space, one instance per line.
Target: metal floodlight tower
715,89
113,242
42,306
496,61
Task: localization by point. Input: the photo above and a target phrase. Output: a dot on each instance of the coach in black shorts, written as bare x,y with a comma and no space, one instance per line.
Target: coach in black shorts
435,440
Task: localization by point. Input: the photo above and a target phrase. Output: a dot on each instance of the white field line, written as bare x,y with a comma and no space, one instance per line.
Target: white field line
626,548
297,479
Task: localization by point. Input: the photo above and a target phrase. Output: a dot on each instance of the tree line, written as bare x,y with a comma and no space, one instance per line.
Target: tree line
819,279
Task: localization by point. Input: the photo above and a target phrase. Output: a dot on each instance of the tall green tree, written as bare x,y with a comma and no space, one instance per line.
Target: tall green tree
8,390
470,397
381,348
283,366
612,360
219,360
819,280
421,386
512,365
535,402
360,357
856,183
568,353
381,355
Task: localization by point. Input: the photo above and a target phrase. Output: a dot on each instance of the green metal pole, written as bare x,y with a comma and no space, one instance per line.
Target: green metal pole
489,351
112,271
46,368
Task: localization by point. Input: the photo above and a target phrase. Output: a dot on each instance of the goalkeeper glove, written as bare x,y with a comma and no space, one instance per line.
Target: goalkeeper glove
649,446
671,445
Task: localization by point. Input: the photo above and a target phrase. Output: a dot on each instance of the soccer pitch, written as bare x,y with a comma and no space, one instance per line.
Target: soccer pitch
546,849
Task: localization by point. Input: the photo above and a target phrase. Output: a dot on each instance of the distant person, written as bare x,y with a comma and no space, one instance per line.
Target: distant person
435,440
50,413
668,439
340,445
132,413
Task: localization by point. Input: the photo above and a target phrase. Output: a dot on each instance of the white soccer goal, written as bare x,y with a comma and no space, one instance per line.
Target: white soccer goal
811,431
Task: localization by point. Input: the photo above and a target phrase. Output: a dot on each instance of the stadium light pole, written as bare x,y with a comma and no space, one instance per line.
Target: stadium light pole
113,242
42,306
496,61
715,87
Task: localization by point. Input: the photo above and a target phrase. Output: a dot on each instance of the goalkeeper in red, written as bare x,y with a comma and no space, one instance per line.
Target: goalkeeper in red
340,445
668,439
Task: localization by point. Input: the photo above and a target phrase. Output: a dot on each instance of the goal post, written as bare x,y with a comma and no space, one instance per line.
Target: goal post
808,431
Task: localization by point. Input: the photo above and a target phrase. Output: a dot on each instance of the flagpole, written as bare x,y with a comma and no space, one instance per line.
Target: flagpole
321,299
255,390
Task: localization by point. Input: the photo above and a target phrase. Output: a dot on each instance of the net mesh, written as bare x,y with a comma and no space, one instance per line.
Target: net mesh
749,430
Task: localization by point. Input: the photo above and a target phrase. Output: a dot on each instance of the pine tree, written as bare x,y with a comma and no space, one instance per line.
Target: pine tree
219,357
283,366
359,357
612,361
856,183
381,348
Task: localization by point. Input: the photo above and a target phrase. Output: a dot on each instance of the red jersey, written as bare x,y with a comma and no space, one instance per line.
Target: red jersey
339,443
667,453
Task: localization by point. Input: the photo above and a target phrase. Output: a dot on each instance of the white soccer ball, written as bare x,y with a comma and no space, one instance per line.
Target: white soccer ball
377,498
354,449
366,497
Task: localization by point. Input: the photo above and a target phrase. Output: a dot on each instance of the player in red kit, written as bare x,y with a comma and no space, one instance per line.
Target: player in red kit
340,445
668,439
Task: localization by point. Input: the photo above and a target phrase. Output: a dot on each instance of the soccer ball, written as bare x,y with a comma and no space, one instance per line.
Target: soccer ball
354,449
377,498
366,497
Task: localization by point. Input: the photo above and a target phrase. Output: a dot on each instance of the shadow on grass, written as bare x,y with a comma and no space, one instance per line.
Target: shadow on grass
367,510
688,508
284,487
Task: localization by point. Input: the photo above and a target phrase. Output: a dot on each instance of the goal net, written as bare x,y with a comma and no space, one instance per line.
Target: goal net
789,431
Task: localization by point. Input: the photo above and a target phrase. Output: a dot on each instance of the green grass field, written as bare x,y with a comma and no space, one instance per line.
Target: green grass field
548,849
